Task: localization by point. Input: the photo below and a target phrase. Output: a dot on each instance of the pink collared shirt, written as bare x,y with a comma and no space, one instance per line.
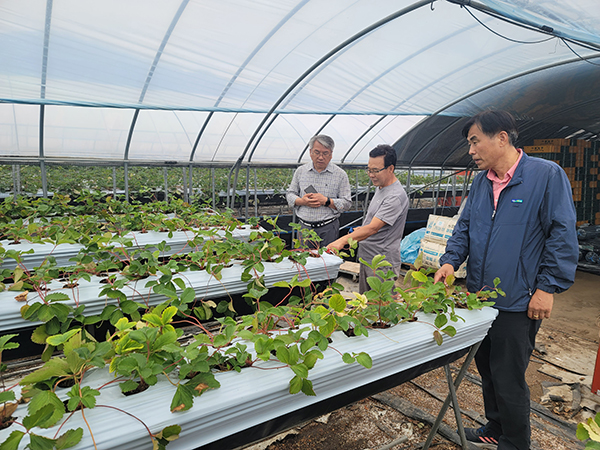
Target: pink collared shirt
497,183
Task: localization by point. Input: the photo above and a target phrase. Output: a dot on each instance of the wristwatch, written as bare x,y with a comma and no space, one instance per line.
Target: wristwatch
328,202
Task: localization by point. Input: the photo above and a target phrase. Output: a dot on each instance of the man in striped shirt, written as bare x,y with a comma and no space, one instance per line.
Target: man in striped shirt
320,191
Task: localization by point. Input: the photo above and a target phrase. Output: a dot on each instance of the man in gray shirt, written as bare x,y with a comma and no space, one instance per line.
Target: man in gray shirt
383,225
320,191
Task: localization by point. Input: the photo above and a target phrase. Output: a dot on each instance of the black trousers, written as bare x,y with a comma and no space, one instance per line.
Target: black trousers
502,361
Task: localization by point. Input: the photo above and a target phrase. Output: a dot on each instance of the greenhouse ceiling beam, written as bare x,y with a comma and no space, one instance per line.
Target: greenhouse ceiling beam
495,84
431,138
255,139
434,82
377,78
157,57
456,147
240,69
237,171
317,64
519,21
390,69
373,125
47,27
570,108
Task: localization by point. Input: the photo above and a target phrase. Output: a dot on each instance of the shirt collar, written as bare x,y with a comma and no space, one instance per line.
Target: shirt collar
491,175
326,169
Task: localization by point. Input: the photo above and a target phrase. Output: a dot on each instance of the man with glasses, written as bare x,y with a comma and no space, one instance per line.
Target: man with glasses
320,191
383,225
518,224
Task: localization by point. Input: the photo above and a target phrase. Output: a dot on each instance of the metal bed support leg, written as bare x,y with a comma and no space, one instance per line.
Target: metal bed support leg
452,398
456,407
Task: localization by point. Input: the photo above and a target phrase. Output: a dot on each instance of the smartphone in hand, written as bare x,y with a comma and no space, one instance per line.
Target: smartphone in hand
310,190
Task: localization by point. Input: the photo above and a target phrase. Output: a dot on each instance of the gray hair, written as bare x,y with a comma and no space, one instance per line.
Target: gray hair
324,140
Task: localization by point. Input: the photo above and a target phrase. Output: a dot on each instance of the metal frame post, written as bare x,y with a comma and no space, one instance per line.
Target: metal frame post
191,184
185,192
356,192
247,192
166,185
212,176
437,191
255,194
454,189
453,386
114,176
126,177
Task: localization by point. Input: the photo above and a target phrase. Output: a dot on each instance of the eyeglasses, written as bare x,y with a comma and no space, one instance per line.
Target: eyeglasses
375,171
318,154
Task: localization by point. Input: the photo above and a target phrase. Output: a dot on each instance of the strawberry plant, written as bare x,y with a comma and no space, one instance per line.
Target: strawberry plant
589,431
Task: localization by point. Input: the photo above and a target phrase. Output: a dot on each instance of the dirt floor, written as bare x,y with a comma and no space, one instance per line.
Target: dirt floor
401,418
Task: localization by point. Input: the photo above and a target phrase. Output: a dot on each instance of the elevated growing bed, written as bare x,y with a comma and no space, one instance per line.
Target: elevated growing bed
255,403
178,243
322,268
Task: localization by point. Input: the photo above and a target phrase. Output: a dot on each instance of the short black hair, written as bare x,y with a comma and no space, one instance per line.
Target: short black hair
493,122
387,151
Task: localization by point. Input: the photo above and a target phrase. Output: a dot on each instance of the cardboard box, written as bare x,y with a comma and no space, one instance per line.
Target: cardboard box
433,245
541,149
557,142
432,251
439,229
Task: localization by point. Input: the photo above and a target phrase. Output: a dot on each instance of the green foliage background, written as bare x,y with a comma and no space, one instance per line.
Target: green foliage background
72,179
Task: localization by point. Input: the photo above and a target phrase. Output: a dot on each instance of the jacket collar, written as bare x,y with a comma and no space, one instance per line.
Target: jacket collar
517,177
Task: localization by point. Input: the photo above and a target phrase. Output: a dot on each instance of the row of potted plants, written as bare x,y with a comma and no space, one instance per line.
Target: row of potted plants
111,267
144,347
57,219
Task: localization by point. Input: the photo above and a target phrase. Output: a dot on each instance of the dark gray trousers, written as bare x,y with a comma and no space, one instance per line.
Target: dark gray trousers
502,361
327,233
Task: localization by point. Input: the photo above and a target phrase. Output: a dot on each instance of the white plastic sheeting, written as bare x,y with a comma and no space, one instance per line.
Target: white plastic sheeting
256,396
200,81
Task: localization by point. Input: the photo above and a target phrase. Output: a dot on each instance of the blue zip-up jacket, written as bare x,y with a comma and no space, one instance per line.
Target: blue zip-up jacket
529,241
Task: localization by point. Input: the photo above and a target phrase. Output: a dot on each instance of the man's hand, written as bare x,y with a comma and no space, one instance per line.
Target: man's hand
443,272
339,244
311,200
540,305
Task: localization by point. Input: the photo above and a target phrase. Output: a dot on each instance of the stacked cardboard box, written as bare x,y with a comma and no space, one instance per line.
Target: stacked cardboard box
579,159
433,245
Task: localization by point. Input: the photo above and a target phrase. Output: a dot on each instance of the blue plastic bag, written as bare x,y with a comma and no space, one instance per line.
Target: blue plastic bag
410,245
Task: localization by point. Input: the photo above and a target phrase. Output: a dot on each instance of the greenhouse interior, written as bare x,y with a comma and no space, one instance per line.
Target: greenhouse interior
150,257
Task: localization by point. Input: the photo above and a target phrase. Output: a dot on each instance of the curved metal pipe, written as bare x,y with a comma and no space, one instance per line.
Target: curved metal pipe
373,125
157,57
243,66
497,83
318,63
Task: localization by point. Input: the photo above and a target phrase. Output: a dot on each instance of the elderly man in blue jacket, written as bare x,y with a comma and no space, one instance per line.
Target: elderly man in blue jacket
519,225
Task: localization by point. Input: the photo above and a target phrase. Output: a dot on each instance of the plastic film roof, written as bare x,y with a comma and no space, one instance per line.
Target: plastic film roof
202,82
